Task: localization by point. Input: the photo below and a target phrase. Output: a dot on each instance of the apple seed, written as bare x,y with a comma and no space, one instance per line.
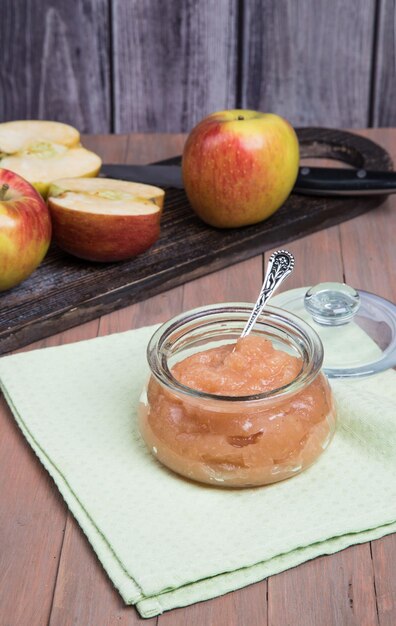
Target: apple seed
3,191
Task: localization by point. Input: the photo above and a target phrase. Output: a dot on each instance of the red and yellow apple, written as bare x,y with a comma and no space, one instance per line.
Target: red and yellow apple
239,166
25,229
100,219
42,151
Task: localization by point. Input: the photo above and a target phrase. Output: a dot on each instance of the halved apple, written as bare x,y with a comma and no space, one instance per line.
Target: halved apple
19,135
41,152
100,219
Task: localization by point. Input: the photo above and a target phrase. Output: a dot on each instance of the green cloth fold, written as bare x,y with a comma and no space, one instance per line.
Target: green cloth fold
166,542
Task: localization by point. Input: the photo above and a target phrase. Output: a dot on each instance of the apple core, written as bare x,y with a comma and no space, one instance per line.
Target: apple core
3,191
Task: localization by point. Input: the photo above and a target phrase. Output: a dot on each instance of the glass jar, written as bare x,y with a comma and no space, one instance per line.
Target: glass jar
236,441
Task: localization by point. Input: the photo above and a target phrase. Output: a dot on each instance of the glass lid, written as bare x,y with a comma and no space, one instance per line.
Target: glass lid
357,328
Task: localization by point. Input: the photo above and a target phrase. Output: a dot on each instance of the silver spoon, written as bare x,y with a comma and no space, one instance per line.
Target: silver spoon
280,265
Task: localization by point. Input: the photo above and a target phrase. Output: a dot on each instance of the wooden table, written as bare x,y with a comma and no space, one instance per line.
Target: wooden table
48,572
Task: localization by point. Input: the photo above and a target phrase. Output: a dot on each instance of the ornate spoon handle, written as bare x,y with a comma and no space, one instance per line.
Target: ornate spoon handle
280,265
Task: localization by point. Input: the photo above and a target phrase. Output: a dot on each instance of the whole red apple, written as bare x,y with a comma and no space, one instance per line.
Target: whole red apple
239,166
25,229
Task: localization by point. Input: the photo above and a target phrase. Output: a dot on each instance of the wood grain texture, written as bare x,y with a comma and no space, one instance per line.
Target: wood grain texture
106,65
240,283
67,291
151,147
317,257
384,87
335,590
55,62
384,559
112,149
245,607
309,60
174,62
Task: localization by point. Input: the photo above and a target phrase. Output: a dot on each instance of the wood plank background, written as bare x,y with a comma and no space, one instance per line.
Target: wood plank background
133,65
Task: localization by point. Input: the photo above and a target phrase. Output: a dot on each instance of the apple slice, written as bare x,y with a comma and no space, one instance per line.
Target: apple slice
20,135
100,219
42,151
51,161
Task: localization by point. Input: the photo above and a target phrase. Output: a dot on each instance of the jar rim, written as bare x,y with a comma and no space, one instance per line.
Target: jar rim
279,318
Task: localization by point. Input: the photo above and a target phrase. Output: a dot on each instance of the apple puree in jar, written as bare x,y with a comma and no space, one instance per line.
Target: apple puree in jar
240,442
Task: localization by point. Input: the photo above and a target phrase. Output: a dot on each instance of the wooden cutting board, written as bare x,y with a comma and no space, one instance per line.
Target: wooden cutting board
65,291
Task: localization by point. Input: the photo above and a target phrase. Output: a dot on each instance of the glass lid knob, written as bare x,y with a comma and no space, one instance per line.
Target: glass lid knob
332,304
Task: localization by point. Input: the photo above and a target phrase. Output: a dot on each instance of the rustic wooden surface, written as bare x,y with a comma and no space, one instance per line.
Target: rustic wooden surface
55,62
133,65
191,45
384,66
48,573
322,67
65,291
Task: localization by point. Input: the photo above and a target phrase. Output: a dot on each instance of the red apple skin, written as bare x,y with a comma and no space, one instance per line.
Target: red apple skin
25,230
239,166
100,237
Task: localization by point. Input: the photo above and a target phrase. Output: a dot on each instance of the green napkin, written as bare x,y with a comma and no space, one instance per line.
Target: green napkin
166,542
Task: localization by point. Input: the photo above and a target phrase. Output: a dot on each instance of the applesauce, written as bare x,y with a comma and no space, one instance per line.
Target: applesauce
236,412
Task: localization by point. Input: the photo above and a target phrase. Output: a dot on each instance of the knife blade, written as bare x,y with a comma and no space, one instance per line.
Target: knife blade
318,181
161,175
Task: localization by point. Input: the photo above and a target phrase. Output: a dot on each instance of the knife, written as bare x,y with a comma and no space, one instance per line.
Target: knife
312,181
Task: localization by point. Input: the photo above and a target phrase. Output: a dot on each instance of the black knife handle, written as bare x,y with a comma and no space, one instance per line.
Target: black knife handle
337,181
